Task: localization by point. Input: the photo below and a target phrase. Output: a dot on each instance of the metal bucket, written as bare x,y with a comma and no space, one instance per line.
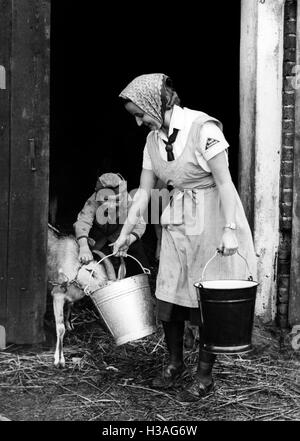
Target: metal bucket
126,307
226,313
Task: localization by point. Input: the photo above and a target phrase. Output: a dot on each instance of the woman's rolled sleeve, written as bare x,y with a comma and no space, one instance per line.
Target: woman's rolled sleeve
211,143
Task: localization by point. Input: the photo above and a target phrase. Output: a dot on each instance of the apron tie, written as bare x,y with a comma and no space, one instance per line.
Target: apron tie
186,207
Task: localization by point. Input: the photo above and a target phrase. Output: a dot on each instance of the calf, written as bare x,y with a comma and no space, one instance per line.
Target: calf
69,280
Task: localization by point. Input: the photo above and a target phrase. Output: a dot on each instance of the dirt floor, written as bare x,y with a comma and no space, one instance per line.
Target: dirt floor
103,382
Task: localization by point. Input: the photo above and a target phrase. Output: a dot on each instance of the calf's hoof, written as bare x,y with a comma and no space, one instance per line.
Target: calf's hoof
59,363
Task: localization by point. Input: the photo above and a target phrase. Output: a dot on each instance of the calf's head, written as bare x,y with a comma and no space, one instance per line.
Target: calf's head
93,276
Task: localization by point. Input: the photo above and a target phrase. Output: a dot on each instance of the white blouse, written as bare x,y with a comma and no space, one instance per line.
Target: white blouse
212,140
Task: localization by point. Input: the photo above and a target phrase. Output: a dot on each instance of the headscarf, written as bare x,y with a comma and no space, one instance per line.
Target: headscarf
150,94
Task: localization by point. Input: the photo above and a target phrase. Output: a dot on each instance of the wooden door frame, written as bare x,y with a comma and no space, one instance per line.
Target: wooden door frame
261,75
294,294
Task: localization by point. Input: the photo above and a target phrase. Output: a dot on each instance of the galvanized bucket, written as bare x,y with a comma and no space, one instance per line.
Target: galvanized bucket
226,313
126,306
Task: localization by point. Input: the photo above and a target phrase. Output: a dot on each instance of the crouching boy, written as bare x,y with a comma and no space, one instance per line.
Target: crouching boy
100,221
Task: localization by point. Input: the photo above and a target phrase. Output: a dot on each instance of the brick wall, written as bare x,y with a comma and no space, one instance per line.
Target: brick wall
287,153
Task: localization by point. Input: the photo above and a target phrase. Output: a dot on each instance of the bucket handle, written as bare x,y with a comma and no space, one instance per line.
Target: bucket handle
145,270
218,251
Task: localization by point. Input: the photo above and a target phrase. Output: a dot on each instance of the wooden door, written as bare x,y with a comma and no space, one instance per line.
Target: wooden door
24,167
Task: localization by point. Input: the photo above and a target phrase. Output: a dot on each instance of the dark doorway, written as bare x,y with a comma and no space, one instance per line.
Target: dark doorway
96,52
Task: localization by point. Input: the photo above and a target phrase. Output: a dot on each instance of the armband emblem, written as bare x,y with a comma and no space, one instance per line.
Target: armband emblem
210,142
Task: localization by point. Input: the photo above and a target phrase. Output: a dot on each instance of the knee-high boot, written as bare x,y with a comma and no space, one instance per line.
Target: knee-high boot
205,366
203,382
206,361
174,340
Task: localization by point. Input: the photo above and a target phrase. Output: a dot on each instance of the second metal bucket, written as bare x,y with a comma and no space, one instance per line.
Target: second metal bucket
126,307
227,314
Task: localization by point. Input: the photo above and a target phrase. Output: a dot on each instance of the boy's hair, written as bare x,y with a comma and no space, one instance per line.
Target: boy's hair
109,180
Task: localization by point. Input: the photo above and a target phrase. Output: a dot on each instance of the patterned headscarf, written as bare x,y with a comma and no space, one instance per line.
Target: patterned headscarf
148,92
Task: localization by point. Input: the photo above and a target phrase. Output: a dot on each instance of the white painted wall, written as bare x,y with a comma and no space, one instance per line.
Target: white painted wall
262,87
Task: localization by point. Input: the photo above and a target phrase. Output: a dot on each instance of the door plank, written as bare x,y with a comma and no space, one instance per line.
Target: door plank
29,171
5,39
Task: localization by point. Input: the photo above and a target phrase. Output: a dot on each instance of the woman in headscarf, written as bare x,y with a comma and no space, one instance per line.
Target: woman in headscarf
186,149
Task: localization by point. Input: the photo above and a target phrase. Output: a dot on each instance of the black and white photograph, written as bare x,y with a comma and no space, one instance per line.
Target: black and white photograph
149,214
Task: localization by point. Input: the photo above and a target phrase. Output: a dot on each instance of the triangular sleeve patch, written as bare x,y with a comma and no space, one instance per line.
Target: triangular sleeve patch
210,142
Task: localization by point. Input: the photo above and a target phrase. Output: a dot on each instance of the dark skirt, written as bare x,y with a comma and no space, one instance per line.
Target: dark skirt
169,312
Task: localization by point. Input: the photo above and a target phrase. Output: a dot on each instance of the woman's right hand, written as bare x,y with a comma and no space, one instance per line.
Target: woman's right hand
121,245
85,254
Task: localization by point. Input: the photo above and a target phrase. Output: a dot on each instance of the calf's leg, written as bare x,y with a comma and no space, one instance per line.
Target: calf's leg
69,325
58,307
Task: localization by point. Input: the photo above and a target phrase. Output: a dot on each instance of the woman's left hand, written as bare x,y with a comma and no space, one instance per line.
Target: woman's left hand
229,244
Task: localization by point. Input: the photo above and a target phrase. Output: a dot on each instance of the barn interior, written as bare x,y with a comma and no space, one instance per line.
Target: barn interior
95,52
